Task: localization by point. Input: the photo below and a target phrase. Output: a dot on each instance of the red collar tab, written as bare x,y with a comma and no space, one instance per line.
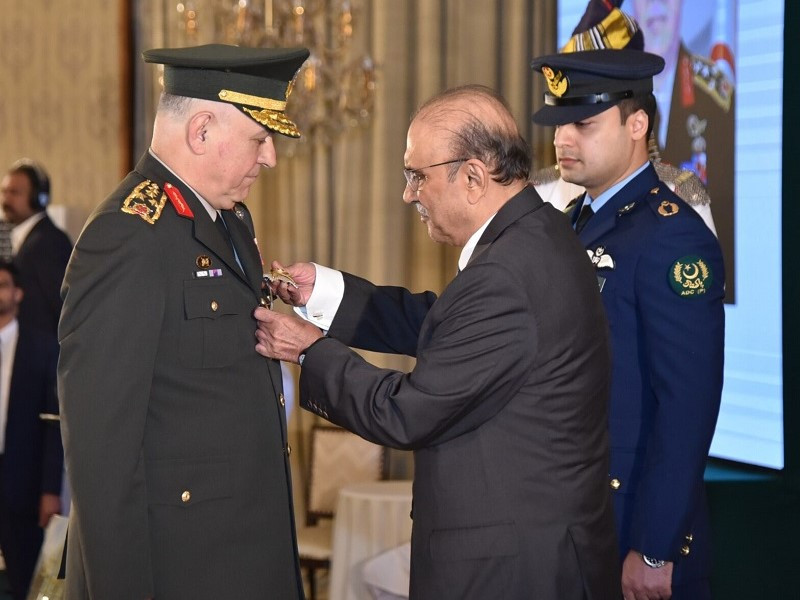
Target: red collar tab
175,196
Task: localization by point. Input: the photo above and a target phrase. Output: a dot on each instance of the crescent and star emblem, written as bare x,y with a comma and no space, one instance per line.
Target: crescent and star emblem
691,271
690,276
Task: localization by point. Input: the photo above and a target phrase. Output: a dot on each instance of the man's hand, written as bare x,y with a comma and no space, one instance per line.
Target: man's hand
49,505
283,336
640,582
304,275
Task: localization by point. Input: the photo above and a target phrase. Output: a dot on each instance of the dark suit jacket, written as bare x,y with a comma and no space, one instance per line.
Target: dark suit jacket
41,260
33,460
505,410
174,433
666,384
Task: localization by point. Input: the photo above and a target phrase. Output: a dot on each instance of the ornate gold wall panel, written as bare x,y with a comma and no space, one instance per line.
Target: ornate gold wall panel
63,98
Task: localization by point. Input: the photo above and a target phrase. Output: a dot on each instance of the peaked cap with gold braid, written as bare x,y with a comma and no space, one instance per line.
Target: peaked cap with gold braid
601,64
256,80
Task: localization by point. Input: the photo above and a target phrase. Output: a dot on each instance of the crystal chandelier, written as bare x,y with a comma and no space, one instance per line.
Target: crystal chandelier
335,87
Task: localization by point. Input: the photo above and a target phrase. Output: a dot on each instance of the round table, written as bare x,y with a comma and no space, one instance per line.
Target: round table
370,518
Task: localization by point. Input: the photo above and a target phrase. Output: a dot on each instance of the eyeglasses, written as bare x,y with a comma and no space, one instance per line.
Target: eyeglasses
415,177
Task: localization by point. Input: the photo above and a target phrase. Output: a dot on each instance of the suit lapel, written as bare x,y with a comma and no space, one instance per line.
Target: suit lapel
575,209
528,200
205,232
619,205
600,224
245,247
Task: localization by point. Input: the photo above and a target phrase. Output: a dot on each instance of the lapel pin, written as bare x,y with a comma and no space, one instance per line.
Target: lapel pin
203,261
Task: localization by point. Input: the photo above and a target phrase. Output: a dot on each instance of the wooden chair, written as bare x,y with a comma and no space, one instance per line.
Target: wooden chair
338,458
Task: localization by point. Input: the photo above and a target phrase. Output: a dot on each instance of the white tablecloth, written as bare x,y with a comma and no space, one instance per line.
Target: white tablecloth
370,519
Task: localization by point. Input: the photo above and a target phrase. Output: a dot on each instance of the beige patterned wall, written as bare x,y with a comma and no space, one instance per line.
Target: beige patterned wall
62,98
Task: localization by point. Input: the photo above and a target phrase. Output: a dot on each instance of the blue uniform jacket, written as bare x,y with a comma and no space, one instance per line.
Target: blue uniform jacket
661,275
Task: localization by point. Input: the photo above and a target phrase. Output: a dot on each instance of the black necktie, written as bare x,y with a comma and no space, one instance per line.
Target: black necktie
223,231
584,216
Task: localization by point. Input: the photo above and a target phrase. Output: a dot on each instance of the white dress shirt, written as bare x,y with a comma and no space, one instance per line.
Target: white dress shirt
8,346
21,231
329,286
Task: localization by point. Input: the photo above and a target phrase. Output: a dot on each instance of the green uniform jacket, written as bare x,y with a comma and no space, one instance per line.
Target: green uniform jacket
173,426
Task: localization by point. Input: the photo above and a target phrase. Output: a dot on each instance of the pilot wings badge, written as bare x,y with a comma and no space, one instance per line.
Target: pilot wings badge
600,259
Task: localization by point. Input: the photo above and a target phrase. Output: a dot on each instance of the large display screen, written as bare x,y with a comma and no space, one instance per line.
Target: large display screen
727,127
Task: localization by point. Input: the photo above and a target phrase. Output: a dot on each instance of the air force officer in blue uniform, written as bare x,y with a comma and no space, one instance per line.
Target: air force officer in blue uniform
661,277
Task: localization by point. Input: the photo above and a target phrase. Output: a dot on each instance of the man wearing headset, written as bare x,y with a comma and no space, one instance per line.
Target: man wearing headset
40,249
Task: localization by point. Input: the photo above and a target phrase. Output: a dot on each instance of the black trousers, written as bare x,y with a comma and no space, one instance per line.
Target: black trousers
20,541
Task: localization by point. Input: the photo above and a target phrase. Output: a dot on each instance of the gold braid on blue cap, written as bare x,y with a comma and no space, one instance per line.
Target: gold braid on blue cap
615,32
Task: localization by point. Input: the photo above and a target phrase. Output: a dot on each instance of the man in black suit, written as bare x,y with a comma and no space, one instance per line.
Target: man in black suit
506,407
31,458
40,249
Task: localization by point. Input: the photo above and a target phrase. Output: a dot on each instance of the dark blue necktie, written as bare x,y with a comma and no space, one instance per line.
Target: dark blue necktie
584,216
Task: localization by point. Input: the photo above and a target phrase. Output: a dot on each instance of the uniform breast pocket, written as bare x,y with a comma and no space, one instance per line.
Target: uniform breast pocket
217,329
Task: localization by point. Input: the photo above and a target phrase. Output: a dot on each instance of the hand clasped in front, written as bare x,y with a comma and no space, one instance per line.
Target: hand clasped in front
283,337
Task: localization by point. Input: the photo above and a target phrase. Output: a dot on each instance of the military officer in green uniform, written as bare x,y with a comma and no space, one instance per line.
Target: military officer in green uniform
174,427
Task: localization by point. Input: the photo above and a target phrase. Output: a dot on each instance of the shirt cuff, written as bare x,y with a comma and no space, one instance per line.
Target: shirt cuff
324,301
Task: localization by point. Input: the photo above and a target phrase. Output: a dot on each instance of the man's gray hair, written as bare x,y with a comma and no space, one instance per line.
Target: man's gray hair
174,105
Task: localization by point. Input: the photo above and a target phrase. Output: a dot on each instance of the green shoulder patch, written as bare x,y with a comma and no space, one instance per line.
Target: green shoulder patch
690,276
147,200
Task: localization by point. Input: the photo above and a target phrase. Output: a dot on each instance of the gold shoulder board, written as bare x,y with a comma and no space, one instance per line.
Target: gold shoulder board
146,200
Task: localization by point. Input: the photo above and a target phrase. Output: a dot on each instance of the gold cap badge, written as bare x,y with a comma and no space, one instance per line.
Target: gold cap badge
557,82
